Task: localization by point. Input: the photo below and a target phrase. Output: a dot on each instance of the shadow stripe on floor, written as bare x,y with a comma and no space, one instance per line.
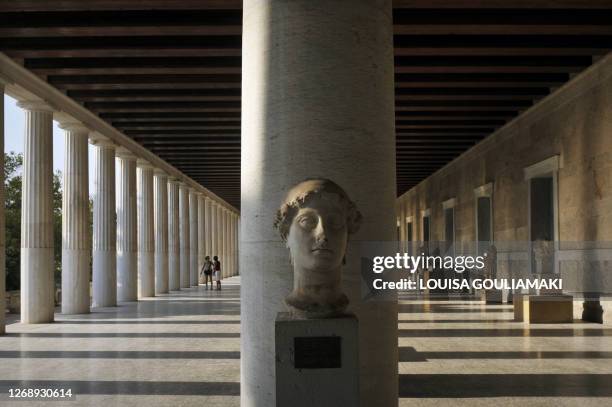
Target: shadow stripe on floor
119,354
128,387
504,385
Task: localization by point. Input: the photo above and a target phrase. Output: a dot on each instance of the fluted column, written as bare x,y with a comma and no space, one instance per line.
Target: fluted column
219,237
207,226
37,263
238,271
193,237
230,269
2,220
174,254
201,235
160,209
184,235
226,265
104,226
127,243
234,246
146,242
214,247
76,246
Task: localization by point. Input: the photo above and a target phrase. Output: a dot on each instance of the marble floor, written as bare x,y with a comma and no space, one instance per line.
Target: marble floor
183,349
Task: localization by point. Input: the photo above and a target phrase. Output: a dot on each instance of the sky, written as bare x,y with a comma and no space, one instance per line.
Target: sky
14,119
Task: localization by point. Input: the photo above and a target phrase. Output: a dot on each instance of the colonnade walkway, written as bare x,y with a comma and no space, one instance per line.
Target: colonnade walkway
183,349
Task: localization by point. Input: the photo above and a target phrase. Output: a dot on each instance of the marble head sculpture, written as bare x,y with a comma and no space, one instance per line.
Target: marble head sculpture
315,221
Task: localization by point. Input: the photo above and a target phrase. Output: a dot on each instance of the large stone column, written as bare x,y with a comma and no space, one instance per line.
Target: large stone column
104,226
193,237
146,237
219,229
223,243
76,246
226,243
201,235
2,219
230,246
184,236
127,243
208,226
214,247
160,210
234,244
317,101
238,245
174,253
37,262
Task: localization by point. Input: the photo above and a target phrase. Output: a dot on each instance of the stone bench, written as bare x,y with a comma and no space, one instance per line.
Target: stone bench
543,309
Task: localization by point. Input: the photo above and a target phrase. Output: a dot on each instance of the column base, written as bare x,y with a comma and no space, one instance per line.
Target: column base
75,281
161,273
37,285
174,272
146,274
127,270
104,278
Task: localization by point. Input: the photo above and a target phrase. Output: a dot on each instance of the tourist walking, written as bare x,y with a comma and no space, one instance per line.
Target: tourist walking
217,267
207,270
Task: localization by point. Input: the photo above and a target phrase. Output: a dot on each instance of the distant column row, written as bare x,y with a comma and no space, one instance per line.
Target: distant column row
151,233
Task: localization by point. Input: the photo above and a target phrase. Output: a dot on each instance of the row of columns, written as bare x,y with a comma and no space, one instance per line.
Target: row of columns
151,232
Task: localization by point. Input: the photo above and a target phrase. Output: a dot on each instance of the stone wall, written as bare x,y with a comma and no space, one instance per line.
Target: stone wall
573,123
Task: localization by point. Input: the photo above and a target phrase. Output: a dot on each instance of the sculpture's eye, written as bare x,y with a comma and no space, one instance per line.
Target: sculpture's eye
336,222
307,222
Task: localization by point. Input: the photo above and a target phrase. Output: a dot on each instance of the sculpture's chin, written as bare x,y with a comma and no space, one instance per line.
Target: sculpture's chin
304,306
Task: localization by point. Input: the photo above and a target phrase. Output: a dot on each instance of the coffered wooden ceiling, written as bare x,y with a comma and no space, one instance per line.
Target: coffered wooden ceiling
167,73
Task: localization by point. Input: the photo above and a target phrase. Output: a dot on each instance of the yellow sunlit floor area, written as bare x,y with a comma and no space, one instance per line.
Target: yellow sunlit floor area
183,349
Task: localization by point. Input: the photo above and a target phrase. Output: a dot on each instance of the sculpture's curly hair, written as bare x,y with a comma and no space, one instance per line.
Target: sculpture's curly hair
297,197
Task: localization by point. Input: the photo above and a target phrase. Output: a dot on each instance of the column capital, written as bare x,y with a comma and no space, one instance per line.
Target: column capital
140,163
125,154
160,173
174,180
97,139
4,82
35,105
73,126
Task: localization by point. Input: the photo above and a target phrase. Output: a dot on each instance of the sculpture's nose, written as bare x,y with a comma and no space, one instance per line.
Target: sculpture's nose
320,232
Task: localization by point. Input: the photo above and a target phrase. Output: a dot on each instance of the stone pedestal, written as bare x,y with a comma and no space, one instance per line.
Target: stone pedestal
543,309
317,361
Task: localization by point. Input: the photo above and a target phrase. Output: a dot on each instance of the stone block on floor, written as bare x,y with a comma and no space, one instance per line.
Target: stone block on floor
543,309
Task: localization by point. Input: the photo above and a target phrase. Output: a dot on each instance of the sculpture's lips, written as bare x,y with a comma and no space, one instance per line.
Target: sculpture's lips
322,250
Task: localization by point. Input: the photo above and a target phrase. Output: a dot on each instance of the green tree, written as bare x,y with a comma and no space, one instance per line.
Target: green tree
13,187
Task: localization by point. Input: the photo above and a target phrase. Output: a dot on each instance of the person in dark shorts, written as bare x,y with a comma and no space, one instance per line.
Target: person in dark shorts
207,270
